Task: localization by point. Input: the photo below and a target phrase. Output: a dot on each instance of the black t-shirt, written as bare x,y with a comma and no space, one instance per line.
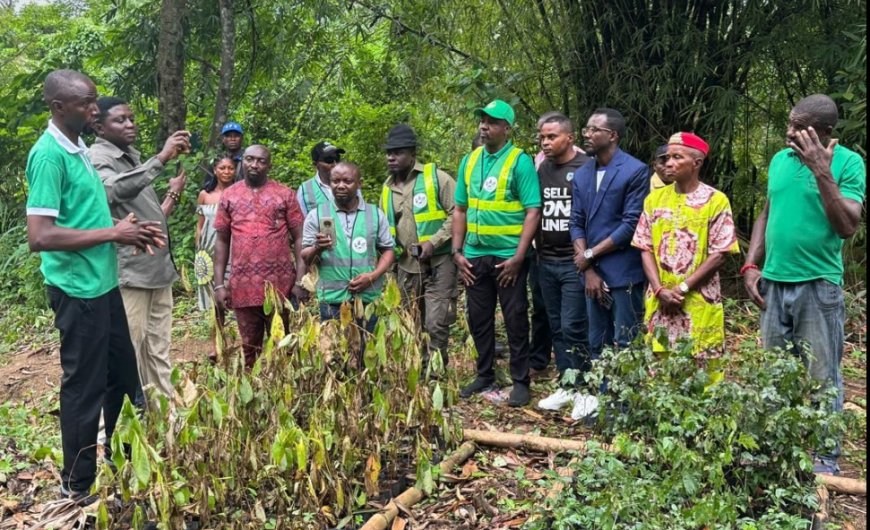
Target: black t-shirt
554,240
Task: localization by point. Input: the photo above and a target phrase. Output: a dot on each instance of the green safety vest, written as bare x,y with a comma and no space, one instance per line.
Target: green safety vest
493,220
349,258
312,195
429,215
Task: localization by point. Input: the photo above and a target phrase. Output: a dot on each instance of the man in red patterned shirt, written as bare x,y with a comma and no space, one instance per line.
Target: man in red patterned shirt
262,219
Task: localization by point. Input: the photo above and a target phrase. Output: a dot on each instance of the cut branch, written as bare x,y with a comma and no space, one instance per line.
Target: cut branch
412,495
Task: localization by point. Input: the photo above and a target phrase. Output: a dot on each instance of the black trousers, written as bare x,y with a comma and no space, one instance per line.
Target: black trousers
99,368
482,297
541,342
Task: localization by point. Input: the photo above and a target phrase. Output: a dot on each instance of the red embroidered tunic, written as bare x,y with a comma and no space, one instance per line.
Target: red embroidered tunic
259,222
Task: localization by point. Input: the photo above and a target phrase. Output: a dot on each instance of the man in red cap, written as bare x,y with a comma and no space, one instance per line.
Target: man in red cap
685,233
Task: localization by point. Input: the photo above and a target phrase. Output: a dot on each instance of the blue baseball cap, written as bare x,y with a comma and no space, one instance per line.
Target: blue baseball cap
231,126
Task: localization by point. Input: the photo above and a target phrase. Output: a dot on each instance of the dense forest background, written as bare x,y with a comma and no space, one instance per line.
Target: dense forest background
298,72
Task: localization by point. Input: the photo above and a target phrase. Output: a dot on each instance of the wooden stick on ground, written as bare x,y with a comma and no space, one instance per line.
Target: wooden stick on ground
820,518
412,495
849,486
527,441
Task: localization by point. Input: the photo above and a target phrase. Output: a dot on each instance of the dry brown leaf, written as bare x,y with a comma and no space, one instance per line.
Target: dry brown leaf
25,475
534,414
469,469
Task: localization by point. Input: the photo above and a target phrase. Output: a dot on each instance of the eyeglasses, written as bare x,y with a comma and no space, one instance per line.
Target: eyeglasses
593,130
331,159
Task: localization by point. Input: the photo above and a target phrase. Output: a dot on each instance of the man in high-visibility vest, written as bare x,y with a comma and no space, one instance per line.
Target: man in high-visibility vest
498,210
350,239
316,190
418,200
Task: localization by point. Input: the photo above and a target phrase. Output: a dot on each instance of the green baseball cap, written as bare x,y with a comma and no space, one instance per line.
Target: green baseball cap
497,109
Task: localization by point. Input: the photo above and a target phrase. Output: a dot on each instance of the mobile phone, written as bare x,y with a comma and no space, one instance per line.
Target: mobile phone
415,250
327,227
195,142
606,300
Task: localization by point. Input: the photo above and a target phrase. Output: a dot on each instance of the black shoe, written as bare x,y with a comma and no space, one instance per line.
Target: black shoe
519,396
476,387
81,498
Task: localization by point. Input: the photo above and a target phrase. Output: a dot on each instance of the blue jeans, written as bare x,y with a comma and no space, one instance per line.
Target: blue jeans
618,325
542,339
565,302
807,319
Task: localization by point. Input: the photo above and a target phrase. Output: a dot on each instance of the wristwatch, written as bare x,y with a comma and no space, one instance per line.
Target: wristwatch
455,251
588,254
683,287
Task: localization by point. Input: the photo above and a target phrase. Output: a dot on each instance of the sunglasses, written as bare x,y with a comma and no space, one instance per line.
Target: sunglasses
331,159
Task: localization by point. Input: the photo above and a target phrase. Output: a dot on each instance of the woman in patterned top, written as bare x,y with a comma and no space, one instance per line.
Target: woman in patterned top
224,171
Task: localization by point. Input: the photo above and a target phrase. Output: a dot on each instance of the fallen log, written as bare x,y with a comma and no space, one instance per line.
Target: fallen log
412,495
527,441
849,486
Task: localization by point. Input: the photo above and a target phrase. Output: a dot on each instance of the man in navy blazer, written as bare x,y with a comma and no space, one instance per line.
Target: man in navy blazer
607,200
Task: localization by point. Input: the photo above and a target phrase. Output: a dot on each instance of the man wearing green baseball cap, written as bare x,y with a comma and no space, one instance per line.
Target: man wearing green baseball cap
498,209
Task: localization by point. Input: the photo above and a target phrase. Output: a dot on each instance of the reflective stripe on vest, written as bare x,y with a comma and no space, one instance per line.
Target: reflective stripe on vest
312,195
428,216
493,221
348,258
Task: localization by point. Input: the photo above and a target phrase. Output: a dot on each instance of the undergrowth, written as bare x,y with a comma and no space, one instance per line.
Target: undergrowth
303,440
721,444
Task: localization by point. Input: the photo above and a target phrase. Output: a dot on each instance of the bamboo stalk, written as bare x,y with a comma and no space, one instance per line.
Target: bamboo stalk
412,495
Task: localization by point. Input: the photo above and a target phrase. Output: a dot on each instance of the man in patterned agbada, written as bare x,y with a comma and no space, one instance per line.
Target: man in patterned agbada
685,233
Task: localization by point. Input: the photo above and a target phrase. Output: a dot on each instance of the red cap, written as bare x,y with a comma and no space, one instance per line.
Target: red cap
689,140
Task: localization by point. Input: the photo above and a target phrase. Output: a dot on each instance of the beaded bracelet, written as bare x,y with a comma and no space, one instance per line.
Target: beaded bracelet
175,196
746,267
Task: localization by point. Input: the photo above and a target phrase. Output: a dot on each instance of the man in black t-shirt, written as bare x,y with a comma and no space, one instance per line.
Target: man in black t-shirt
563,294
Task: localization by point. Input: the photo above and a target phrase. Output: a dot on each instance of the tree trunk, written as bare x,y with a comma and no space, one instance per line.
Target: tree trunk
227,70
170,69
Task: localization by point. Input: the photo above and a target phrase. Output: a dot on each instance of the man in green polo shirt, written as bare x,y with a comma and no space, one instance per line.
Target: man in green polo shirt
498,209
69,223
799,289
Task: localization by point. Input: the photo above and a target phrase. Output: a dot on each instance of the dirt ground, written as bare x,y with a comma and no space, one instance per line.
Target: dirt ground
479,494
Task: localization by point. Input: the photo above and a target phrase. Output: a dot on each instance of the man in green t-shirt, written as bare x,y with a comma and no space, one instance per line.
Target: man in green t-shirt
498,209
815,193
69,223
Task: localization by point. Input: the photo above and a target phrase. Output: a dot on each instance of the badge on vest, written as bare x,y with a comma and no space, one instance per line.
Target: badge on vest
570,176
490,184
359,245
420,200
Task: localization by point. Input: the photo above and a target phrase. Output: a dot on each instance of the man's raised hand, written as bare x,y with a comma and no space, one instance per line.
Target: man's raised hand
177,143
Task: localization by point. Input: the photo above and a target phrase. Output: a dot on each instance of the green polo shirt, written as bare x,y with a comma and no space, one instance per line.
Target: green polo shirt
63,184
524,186
800,243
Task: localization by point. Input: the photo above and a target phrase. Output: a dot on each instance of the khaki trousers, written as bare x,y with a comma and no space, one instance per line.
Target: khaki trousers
434,294
149,316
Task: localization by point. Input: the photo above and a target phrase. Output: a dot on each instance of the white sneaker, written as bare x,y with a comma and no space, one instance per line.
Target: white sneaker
584,406
556,400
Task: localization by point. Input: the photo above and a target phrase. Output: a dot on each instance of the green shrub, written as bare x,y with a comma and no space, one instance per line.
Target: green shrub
719,444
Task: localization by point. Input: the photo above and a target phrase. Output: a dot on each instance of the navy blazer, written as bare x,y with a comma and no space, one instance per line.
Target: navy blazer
611,212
